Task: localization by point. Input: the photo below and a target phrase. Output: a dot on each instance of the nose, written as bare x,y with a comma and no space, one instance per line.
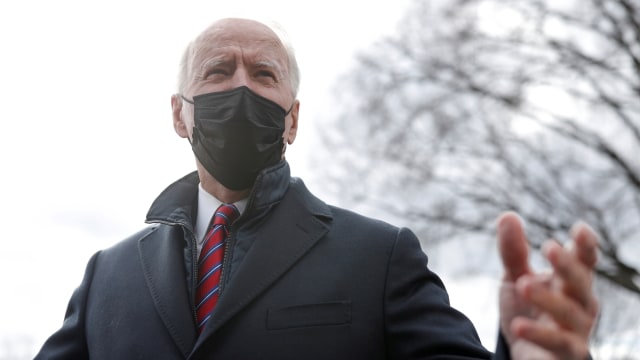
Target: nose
240,78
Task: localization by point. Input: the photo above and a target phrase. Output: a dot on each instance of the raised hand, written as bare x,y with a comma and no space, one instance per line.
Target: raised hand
547,315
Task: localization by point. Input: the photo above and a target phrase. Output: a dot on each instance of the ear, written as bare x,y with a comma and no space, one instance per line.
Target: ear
179,124
293,130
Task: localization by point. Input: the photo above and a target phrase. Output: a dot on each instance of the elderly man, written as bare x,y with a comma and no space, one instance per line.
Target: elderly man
242,262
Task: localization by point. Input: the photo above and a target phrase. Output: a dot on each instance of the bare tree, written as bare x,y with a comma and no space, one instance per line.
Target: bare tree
478,106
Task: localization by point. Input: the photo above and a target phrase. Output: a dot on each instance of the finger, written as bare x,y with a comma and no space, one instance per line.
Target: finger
586,243
576,278
562,309
558,341
513,246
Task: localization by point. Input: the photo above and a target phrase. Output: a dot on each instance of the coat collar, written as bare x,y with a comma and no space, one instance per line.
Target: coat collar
177,204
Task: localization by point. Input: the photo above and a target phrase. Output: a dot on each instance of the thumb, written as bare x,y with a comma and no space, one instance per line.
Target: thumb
513,246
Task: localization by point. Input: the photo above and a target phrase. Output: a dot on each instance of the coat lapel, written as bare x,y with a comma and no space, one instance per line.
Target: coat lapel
161,256
290,232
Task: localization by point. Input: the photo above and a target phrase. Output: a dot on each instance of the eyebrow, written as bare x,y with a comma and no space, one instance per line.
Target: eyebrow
269,64
225,59
213,62
208,64
260,64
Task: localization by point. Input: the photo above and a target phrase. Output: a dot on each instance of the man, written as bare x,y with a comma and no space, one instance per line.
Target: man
293,278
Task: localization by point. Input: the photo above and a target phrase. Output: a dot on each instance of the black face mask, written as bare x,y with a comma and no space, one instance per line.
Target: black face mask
236,134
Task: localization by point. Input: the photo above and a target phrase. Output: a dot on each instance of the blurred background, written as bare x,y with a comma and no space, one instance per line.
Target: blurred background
436,115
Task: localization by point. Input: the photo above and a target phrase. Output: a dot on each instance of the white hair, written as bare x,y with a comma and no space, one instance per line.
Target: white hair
293,69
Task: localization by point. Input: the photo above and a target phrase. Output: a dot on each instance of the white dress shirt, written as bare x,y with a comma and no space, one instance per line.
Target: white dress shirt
207,205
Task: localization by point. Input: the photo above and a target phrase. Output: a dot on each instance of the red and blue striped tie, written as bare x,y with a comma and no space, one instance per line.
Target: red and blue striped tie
210,262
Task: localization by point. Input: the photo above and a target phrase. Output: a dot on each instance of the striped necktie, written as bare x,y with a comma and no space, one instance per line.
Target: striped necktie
210,262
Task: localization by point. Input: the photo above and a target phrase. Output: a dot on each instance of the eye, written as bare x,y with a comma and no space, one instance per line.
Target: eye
266,74
215,72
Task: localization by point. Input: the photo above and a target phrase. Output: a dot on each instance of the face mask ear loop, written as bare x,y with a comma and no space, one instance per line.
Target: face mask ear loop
284,141
192,103
288,111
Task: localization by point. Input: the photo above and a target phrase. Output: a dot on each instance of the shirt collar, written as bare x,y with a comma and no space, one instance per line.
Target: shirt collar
207,205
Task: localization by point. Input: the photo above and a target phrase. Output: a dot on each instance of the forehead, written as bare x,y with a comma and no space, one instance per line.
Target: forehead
250,39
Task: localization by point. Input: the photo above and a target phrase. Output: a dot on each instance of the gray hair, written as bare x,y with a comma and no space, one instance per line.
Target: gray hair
294,70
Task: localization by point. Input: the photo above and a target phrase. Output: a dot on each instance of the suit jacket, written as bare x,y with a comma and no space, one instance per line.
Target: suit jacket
304,280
